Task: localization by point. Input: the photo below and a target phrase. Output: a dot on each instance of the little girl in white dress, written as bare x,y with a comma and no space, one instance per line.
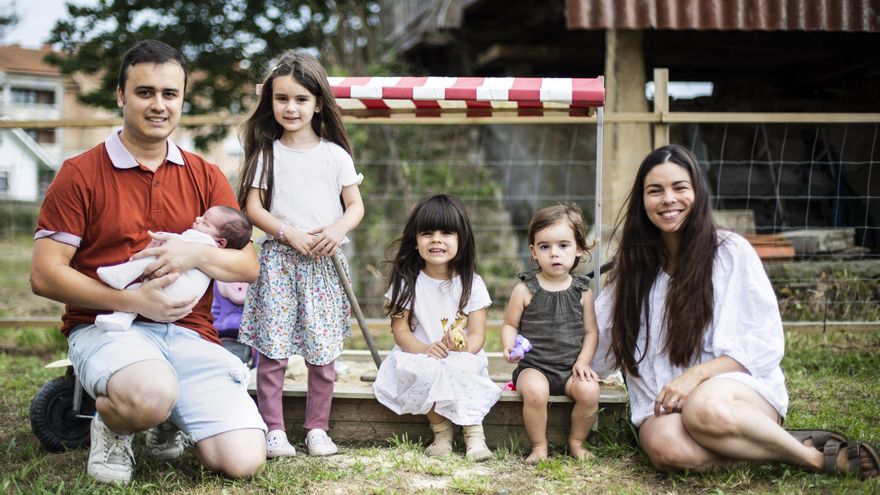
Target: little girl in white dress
432,285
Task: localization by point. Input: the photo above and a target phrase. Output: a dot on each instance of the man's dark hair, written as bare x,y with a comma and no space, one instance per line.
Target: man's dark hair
236,230
151,52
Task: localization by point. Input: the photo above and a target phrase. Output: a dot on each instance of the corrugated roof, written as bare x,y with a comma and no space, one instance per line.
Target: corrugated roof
743,15
14,58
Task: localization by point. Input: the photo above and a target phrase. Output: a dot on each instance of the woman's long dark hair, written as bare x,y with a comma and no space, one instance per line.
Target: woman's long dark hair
437,212
642,254
260,130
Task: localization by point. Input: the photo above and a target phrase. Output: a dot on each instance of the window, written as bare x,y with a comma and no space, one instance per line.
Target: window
4,182
26,96
42,136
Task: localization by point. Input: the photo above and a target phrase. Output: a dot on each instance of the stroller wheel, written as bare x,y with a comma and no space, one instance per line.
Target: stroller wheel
239,350
52,418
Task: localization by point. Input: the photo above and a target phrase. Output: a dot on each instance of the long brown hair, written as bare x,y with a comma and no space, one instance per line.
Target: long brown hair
260,130
642,254
437,212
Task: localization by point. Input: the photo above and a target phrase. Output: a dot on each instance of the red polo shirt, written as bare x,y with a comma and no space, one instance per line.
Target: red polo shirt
104,202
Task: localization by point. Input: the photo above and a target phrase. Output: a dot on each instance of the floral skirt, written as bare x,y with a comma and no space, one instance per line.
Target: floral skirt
296,307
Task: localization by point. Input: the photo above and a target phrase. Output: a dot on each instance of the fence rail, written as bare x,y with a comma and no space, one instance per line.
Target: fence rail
609,118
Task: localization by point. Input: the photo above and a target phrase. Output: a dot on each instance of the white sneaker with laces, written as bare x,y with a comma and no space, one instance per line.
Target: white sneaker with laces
165,442
110,458
319,443
277,445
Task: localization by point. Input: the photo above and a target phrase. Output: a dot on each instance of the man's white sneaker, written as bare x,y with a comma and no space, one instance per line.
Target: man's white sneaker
165,442
277,445
110,458
319,443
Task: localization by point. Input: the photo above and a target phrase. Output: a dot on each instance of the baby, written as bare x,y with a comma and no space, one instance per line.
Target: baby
220,226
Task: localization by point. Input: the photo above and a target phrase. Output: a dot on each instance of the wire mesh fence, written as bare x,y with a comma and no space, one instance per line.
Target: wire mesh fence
808,198
813,190
503,174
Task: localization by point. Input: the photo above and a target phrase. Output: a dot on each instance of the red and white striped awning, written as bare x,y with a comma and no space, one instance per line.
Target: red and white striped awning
478,97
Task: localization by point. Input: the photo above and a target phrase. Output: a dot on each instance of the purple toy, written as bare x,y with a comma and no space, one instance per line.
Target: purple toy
520,347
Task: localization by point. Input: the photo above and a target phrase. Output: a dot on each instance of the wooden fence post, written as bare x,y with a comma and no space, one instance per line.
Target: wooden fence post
661,106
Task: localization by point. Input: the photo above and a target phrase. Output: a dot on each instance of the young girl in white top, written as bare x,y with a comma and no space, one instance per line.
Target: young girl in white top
433,284
297,166
553,308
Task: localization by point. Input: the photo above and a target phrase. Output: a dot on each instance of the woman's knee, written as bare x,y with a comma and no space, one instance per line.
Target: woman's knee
710,415
666,453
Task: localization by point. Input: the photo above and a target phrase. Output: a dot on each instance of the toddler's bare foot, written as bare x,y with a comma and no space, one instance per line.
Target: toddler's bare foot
538,452
577,450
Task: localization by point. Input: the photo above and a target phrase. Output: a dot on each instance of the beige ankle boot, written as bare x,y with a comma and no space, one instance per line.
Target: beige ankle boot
442,444
475,441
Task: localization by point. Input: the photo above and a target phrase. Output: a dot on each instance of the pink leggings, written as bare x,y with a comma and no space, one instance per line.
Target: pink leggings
270,382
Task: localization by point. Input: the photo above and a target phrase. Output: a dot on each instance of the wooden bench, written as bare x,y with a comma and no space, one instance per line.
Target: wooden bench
357,417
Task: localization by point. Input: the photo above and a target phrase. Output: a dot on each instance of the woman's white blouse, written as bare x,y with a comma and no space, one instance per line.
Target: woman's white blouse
746,326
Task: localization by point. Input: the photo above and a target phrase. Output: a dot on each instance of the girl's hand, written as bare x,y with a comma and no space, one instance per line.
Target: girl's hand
299,240
583,372
674,394
327,239
508,358
438,350
450,343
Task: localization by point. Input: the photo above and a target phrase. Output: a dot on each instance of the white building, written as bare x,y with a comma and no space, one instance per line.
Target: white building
29,89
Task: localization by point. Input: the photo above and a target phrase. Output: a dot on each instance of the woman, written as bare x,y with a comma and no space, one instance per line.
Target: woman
691,318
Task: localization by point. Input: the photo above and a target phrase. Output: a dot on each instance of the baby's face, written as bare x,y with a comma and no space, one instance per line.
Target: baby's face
210,222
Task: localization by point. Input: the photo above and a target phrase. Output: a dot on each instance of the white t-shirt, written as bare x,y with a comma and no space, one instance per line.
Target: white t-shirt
745,326
438,299
308,183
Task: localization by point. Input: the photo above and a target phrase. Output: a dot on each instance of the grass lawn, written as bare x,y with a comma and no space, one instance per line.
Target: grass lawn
833,380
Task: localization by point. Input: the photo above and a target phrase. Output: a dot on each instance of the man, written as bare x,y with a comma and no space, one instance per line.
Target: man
167,371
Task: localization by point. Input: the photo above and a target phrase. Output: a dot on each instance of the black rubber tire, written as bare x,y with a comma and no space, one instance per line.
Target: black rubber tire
52,419
239,350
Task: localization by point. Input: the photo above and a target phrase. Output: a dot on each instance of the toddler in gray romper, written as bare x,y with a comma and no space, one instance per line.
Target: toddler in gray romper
554,324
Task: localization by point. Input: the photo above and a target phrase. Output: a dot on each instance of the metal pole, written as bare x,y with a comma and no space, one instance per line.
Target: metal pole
356,308
597,254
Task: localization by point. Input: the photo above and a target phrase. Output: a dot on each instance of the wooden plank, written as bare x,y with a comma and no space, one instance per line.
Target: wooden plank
502,117
355,421
769,118
661,106
31,322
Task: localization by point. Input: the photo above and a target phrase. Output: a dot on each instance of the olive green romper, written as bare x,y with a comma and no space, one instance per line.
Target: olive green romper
554,324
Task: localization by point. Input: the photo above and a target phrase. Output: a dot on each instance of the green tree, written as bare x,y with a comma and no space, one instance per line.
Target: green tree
8,18
229,44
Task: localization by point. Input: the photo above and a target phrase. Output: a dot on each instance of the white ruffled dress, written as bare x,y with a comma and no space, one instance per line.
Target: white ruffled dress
457,387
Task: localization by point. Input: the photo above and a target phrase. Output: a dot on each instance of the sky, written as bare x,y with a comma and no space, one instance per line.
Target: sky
36,19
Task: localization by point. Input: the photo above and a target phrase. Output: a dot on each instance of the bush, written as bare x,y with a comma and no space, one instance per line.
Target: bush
18,216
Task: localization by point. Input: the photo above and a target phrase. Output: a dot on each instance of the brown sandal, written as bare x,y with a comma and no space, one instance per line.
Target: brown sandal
853,457
819,437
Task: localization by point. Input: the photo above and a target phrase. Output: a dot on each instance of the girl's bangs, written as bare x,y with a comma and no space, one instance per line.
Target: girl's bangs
435,216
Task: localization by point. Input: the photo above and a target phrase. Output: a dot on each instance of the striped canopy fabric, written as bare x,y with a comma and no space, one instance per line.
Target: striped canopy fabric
479,97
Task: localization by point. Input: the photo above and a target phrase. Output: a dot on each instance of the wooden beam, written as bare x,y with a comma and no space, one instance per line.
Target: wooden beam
769,118
661,106
501,116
